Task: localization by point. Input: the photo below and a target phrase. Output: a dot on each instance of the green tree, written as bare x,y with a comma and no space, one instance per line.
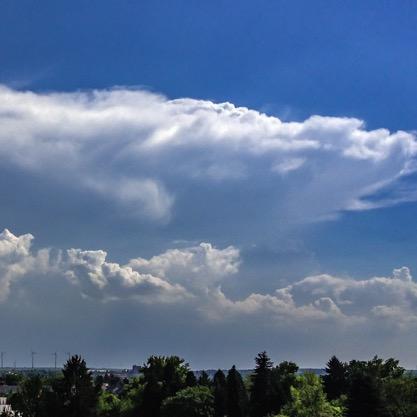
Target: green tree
28,400
163,377
109,405
335,380
190,402
309,400
190,379
365,396
204,379
367,381
131,398
283,377
12,378
261,388
220,394
237,397
76,392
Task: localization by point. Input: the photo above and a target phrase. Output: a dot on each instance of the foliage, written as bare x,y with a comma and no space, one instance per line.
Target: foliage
220,394
190,379
336,378
368,382
191,402
204,379
109,405
28,401
261,387
77,395
163,377
309,400
283,377
168,388
12,378
237,397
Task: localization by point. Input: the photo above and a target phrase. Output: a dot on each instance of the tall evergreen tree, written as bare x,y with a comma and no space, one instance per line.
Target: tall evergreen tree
261,392
190,379
237,397
335,380
204,379
220,394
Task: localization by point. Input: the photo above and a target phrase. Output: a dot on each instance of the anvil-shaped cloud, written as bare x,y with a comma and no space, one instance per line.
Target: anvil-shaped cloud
156,158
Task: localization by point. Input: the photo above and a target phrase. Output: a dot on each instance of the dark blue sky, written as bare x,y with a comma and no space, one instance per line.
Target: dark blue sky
289,59
292,58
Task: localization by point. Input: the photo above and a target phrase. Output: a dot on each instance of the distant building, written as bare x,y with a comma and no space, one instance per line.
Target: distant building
136,370
5,408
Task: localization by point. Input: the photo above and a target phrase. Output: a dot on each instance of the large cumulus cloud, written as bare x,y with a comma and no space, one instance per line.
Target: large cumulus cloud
193,277
154,158
176,301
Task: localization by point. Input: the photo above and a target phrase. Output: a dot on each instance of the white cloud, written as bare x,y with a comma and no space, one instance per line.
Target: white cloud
97,277
202,266
183,288
17,260
143,152
193,277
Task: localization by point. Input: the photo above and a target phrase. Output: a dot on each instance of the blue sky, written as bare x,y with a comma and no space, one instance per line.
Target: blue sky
98,154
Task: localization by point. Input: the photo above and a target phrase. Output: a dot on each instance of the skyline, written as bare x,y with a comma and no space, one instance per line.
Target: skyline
175,177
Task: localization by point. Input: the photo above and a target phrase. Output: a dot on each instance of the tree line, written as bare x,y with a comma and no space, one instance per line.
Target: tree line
167,387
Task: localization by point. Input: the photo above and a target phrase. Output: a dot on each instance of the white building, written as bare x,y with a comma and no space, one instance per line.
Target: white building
4,407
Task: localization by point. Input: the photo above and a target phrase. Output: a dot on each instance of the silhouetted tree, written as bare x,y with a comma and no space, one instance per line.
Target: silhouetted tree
163,377
152,397
283,377
237,397
28,400
220,394
204,379
190,379
367,382
365,396
76,392
335,380
261,389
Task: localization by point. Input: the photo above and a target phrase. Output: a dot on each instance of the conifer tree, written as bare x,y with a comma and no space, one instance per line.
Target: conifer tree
237,397
204,379
220,394
190,379
260,392
335,380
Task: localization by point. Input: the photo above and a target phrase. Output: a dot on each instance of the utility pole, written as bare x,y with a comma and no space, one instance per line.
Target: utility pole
33,359
69,355
56,358
2,359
